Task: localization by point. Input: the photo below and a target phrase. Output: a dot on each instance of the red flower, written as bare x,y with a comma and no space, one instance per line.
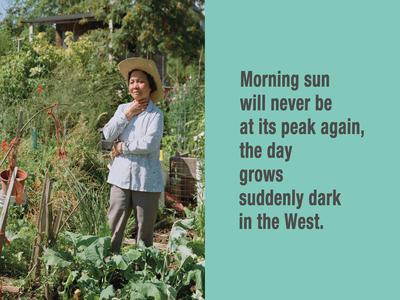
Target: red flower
4,145
62,154
40,89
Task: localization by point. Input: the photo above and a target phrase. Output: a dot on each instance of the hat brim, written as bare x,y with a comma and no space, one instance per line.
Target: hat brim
146,65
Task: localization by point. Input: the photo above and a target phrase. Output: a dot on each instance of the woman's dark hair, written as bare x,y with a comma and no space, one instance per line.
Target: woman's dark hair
150,79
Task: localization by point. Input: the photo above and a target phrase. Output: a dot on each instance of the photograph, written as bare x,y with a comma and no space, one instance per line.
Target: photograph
102,131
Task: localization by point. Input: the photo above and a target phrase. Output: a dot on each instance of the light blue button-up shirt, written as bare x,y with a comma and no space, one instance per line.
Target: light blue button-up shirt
138,168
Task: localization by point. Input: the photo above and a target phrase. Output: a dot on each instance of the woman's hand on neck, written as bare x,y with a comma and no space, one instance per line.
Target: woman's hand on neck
136,107
142,101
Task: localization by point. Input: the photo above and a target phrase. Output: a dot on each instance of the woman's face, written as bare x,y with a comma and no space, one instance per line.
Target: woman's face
139,87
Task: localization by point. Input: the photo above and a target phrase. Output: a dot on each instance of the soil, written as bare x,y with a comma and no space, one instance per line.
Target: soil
161,235
7,288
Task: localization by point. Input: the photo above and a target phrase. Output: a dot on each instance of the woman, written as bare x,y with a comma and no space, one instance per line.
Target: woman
136,176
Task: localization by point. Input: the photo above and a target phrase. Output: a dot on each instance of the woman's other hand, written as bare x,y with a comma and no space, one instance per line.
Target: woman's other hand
135,108
116,150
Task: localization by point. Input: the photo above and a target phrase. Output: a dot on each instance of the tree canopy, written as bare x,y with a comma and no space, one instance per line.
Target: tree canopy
170,27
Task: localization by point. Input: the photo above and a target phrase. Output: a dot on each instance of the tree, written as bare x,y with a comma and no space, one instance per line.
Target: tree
23,10
170,27
161,26
5,41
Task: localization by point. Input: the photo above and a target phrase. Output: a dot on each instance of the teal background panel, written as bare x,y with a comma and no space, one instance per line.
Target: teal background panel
356,255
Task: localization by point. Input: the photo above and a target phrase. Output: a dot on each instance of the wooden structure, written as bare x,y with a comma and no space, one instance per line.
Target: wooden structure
182,179
81,23
78,24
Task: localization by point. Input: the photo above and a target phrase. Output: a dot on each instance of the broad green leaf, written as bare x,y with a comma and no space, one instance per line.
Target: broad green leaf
188,212
85,241
87,280
186,223
197,247
178,233
106,244
137,296
73,237
132,255
184,251
187,263
119,262
71,278
185,256
92,255
197,277
89,286
149,289
107,293
97,251
168,290
53,258
176,237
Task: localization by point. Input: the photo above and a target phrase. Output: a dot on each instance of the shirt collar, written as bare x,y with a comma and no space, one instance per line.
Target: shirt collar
150,106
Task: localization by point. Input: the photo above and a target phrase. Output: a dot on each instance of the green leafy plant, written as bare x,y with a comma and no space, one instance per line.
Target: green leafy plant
86,263
14,260
184,119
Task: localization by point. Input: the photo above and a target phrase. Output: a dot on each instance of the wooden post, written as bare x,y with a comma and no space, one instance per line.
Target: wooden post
110,45
30,33
3,217
48,216
48,220
57,223
47,231
42,226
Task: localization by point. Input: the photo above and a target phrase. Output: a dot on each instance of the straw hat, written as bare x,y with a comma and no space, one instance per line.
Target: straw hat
146,65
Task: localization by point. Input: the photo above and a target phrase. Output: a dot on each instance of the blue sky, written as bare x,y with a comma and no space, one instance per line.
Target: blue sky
3,7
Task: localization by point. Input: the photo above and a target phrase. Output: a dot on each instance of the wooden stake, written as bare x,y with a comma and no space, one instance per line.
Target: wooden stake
57,223
41,227
4,212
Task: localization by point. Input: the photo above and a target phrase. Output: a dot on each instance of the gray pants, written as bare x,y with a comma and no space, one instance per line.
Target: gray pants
145,206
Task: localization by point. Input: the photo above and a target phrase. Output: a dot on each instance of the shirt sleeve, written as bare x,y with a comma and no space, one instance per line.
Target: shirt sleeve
149,142
116,125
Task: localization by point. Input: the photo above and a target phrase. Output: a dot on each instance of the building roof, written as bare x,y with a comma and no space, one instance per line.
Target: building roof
62,19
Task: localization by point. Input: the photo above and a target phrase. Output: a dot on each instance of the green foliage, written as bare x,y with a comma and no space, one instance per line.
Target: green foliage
178,72
14,77
87,264
148,27
200,217
20,72
92,203
184,119
5,41
15,257
158,26
22,10
85,88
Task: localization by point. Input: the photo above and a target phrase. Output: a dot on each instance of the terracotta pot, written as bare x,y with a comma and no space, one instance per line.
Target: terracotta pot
18,191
